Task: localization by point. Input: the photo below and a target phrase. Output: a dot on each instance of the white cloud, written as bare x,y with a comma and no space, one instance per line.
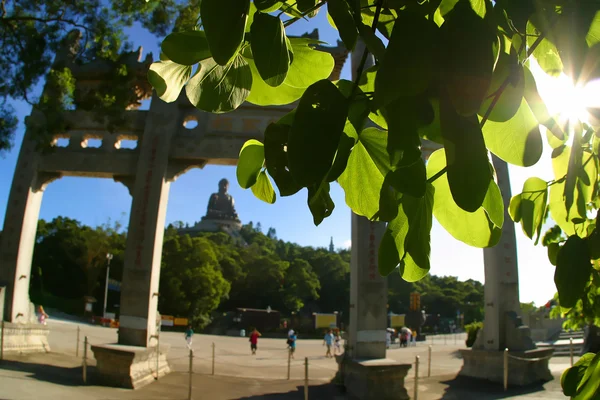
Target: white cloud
347,244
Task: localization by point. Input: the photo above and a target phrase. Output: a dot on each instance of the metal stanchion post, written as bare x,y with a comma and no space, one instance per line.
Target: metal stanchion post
455,334
85,344
571,349
289,363
505,369
429,363
2,342
416,377
305,378
213,358
191,371
77,343
445,338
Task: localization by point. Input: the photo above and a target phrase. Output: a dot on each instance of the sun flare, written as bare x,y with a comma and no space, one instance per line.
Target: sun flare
565,99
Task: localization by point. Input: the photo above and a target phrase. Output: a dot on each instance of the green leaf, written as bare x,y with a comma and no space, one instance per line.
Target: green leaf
250,162
590,383
593,36
218,89
388,258
410,179
268,6
308,67
575,164
468,58
517,141
388,202
468,173
545,53
276,139
315,135
224,22
433,130
571,377
359,104
553,249
508,103
269,48
560,214
408,65
573,271
529,207
367,84
369,158
404,144
319,202
475,229
373,43
342,155
538,107
305,5
186,48
493,204
167,78
415,264
263,189
344,22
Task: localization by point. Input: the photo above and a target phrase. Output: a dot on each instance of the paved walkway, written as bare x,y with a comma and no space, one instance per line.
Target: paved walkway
239,375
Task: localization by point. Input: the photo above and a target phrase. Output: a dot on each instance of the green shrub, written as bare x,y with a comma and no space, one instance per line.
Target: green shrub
472,330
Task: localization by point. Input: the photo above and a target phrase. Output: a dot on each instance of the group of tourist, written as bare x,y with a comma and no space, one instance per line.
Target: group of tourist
406,337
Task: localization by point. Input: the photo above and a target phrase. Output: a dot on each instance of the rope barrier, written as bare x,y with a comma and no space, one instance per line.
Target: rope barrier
529,359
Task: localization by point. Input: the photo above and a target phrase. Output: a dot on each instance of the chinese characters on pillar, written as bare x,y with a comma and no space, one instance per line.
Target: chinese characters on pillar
144,208
372,253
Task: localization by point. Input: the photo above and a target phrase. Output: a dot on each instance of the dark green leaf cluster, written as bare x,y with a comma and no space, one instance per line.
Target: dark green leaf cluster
453,72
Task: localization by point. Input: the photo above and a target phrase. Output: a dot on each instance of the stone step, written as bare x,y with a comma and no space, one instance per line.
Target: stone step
575,335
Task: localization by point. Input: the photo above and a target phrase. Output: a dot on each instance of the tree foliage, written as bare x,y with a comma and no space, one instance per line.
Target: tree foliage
212,272
456,72
31,32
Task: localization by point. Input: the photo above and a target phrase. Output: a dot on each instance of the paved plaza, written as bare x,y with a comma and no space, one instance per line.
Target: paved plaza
238,374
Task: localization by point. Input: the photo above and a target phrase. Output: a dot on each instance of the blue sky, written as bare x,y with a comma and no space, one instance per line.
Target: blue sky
94,201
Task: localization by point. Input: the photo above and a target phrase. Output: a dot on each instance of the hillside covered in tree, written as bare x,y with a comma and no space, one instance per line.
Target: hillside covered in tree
211,272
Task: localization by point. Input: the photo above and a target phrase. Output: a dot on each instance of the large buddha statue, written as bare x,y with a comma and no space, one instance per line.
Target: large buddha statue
221,204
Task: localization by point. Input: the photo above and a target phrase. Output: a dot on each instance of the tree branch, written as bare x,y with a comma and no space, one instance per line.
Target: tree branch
365,54
44,20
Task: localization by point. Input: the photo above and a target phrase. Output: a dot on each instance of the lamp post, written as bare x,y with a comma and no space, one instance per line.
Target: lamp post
108,258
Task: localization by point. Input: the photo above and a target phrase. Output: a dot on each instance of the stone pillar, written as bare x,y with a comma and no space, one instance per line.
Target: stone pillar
368,291
502,326
139,290
18,235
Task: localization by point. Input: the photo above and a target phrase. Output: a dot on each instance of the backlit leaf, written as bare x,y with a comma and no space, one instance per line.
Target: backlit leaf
269,48
508,103
319,202
468,173
517,141
571,377
186,48
475,229
224,22
250,162
316,130
167,78
276,139
529,207
263,189
218,89
408,65
573,269
344,22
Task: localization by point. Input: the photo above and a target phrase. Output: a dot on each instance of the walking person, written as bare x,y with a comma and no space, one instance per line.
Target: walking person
292,343
42,315
189,332
254,340
337,344
328,341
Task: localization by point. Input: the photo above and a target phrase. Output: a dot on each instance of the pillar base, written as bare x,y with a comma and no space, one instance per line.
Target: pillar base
530,367
25,338
129,367
378,379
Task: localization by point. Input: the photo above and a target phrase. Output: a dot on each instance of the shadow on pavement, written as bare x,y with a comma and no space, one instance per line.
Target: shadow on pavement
324,391
463,387
61,375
